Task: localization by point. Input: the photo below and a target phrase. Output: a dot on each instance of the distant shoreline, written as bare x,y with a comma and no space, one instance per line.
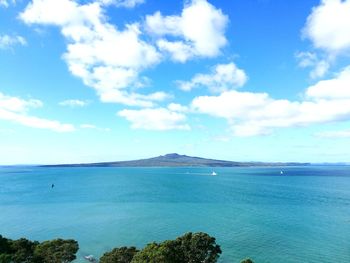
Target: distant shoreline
177,160
181,161
117,166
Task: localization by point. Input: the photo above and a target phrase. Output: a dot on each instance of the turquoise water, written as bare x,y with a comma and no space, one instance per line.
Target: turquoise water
301,216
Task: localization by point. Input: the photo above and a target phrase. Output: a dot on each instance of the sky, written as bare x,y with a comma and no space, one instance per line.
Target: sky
108,80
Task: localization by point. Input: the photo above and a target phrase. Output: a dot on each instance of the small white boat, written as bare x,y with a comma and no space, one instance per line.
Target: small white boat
281,172
214,173
90,258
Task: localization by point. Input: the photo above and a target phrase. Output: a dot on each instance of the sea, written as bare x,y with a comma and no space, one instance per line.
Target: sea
302,215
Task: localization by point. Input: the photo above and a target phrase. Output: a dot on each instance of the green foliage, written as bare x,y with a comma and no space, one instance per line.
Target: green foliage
192,248
199,247
26,251
23,250
119,255
248,260
16,251
5,246
151,253
5,258
189,248
56,251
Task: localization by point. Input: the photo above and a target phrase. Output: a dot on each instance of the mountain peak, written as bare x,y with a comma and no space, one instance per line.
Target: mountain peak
173,155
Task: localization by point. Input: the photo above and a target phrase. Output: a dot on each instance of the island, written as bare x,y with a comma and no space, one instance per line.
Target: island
177,160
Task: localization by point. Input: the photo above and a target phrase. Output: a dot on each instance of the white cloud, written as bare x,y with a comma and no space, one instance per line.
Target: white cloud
252,114
336,88
199,31
320,69
159,119
310,59
111,59
7,41
328,29
133,99
334,134
105,58
35,122
74,103
93,127
328,26
306,59
223,77
178,49
17,104
122,3
15,109
53,12
177,107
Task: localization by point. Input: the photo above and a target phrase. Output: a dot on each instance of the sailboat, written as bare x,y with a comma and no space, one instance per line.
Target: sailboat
281,172
214,173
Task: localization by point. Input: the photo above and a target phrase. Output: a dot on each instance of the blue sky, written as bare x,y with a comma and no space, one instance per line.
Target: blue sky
105,80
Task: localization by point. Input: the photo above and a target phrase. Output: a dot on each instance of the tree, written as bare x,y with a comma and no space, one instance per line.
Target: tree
56,251
199,247
189,248
23,250
151,253
119,255
16,251
5,258
5,250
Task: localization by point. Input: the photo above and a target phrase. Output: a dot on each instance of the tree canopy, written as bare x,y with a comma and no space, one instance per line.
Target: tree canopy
26,251
56,251
191,248
119,255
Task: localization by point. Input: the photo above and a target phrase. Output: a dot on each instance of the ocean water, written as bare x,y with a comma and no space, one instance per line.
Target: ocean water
300,216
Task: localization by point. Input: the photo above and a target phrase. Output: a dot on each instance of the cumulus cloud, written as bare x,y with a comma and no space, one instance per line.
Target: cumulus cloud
251,114
177,107
8,41
179,50
336,88
223,77
74,103
159,119
104,57
111,59
198,31
16,110
328,26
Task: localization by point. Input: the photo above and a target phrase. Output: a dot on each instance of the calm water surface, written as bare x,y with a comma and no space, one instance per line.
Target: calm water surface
300,216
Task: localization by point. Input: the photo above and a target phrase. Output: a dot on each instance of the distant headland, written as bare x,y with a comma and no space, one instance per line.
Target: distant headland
177,160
